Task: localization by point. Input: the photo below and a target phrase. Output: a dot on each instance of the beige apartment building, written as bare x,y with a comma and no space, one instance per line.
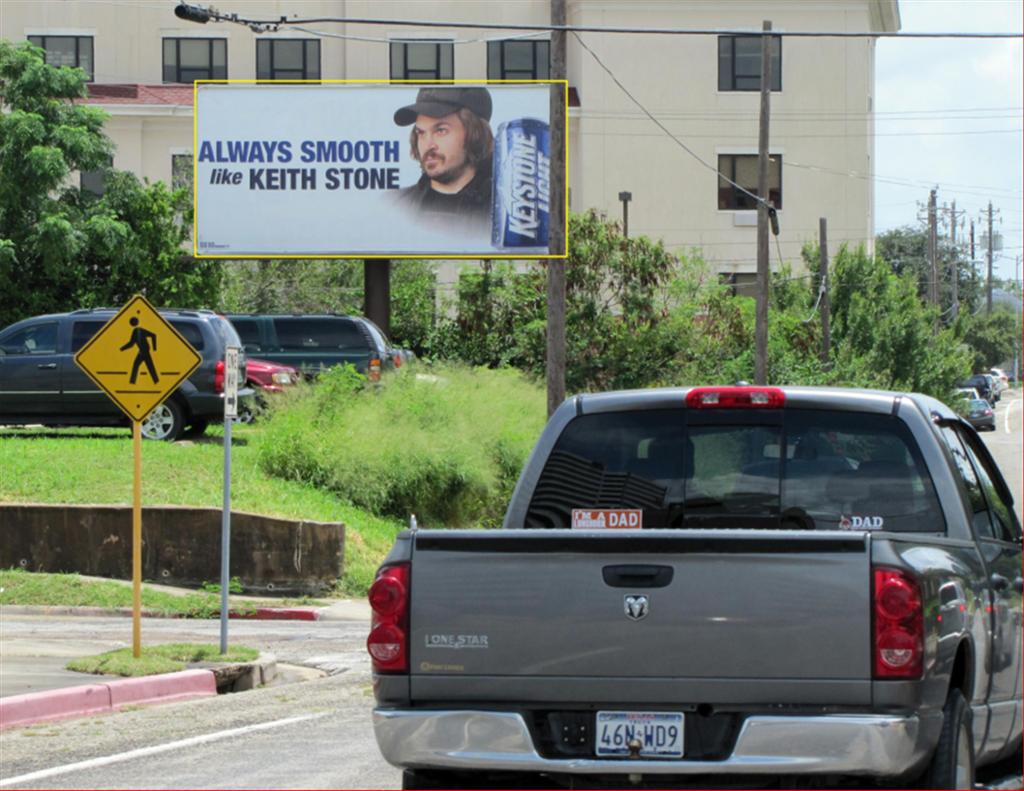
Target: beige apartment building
702,89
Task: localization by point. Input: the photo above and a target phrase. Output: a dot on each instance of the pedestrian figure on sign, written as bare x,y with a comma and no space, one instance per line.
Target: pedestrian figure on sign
140,338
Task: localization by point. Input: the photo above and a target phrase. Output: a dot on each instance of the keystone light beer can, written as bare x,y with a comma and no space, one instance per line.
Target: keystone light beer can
522,186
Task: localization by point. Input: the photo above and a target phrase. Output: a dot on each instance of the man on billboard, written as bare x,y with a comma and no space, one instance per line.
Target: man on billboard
451,138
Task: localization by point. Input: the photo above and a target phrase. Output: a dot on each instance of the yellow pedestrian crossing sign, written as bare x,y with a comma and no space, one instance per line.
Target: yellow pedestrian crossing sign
138,358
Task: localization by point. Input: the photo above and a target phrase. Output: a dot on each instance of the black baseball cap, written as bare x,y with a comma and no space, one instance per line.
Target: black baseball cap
439,102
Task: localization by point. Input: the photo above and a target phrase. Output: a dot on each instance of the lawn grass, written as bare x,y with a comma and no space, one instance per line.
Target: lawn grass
95,466
156,659
18,586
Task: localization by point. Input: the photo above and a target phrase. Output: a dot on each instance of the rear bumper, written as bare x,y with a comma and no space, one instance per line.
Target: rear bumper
870,744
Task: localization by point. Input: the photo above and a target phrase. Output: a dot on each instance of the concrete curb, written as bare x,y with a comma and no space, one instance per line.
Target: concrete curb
105,696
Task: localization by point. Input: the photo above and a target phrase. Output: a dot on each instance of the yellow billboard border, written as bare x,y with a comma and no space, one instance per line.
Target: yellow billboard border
263,257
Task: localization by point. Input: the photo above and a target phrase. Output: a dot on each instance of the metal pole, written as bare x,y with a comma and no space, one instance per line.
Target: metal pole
231,375
137,541
826,327
625,197
761,319
556,237
225,539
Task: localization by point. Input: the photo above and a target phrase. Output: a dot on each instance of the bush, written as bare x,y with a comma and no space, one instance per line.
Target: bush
446,442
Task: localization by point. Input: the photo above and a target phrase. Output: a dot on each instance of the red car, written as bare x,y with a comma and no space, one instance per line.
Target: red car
269,377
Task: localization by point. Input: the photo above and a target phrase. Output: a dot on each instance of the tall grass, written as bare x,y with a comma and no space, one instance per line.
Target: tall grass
445,443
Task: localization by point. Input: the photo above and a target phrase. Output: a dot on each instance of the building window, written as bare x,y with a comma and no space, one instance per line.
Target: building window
181,172
190,59
739,63
94,182
742,168
422,60
73,51
518,60
288,59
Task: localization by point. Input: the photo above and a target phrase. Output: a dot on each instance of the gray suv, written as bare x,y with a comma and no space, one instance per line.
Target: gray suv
41,383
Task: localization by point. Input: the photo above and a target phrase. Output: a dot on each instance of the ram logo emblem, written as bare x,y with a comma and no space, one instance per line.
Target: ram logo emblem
637,606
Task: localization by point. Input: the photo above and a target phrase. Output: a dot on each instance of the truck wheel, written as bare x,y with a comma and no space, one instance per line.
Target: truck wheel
952,765
166,422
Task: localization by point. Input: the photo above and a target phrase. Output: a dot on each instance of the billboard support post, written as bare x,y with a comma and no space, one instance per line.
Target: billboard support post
556,234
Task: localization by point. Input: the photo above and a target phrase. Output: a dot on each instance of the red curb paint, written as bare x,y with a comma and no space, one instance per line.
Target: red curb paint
278,614
53,704
164,688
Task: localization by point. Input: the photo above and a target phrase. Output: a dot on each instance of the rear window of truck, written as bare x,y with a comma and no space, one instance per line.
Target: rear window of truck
789,469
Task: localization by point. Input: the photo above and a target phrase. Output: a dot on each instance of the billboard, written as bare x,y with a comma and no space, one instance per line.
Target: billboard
372,169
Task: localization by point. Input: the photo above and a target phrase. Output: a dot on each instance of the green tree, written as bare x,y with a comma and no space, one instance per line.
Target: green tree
333,286
61,248
616,303
884,335
906,251
991,337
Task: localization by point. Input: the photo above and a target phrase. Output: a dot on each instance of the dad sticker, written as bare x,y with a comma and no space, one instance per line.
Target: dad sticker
861,522
607,518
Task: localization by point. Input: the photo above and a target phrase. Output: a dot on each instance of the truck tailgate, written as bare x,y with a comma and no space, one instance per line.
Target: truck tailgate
754,616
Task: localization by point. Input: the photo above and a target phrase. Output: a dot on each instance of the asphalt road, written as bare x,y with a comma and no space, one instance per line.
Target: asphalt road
1005,444
312,734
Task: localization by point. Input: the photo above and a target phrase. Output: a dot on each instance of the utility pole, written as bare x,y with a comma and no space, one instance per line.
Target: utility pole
1020,340
954,270
826,329
556,233
761,320
933,266
988,283
974,267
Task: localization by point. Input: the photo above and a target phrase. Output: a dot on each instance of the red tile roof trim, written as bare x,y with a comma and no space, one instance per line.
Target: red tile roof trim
139,94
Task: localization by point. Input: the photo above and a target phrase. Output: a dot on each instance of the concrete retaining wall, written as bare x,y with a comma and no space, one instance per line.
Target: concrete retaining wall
180,545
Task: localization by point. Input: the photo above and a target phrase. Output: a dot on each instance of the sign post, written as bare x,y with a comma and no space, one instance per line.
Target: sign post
138,359
230,413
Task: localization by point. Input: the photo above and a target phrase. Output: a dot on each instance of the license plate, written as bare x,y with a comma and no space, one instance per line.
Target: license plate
660,733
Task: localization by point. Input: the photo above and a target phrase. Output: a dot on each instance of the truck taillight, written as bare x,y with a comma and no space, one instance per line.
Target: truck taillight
735,398
388,642
373,371
218,377
898,625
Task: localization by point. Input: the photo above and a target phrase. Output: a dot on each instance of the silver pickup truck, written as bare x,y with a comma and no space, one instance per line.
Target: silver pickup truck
714,586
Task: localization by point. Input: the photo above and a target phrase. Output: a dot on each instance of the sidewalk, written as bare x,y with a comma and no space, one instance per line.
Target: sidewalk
35,685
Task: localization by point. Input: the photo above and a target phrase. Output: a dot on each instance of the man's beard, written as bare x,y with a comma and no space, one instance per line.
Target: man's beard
449,175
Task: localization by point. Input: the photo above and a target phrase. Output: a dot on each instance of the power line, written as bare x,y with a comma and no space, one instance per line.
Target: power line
265,25
785,136
661,126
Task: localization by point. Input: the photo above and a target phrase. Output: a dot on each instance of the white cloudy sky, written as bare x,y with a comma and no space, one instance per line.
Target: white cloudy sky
972,86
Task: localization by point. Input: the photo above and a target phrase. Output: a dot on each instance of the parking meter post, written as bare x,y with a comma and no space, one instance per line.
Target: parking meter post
231,362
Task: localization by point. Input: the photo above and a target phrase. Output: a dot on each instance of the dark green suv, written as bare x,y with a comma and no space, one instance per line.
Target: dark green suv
312,342
41,383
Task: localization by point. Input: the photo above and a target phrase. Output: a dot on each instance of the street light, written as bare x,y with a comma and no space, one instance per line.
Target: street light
625,197
192,13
